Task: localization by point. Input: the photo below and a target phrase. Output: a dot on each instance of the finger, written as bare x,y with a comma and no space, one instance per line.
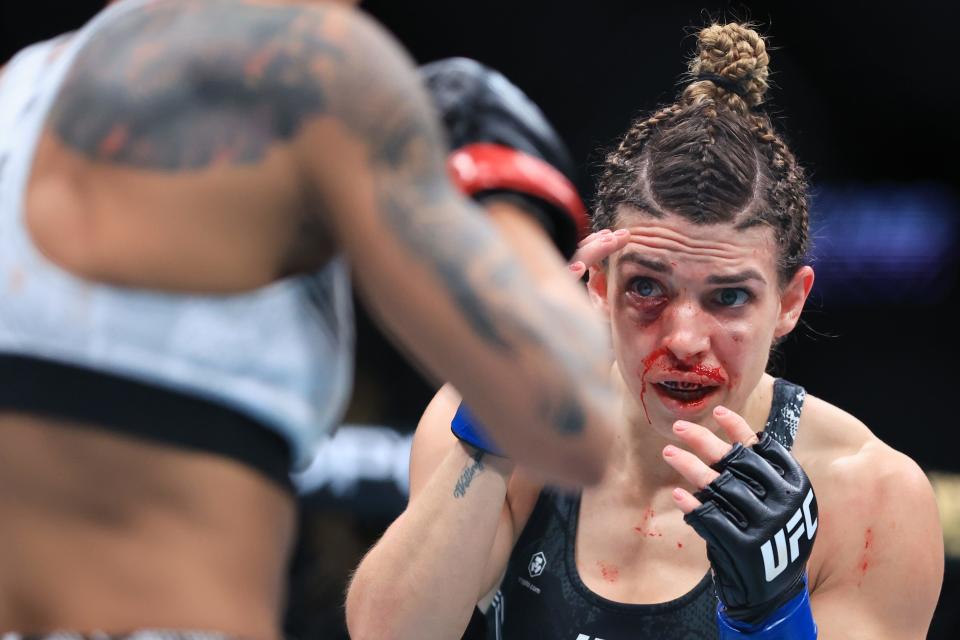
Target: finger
684,500
703,442
689,466
601,247
735,426
578,269
591,237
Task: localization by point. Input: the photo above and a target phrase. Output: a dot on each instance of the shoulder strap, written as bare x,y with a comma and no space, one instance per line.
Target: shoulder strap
784,418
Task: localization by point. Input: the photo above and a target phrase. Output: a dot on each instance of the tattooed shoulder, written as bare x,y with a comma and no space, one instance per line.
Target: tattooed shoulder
178,86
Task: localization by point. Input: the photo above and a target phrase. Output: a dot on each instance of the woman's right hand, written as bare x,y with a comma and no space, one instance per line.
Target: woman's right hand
596,247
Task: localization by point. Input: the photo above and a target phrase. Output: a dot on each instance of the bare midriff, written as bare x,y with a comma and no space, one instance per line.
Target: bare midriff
102,531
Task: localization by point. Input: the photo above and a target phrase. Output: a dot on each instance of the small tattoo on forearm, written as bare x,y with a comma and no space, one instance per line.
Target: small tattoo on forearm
463,482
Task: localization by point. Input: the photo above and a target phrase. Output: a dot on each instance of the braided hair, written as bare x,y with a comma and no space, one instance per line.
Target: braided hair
713,156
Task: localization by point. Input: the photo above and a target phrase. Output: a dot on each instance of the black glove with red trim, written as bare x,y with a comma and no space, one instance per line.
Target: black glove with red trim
759,518
503,146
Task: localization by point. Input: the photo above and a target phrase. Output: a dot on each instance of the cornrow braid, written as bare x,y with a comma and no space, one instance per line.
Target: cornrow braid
791,219
620,173
711,157
638,133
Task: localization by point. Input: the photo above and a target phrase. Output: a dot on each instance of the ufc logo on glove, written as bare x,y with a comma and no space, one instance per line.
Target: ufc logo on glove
762,498
809,525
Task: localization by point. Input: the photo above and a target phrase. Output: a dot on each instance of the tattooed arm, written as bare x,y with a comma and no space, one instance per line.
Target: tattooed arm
257,139
465,511
528,354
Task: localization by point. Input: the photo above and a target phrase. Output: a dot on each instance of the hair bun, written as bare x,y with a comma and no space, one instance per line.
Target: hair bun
736,56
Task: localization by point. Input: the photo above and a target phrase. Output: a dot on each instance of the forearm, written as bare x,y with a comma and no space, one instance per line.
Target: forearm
424,577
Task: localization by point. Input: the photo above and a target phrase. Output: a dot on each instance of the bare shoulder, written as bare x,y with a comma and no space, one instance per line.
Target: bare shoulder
840,448
880,548
827,430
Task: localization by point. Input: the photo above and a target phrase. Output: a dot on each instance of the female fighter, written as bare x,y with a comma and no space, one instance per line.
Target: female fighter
723,476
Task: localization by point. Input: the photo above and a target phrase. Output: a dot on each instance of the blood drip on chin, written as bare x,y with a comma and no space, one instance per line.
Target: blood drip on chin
647,365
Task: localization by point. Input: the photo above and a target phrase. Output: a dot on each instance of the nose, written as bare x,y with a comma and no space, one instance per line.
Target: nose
686,334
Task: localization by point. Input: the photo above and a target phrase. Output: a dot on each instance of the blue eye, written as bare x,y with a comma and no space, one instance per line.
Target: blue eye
732,297
645,288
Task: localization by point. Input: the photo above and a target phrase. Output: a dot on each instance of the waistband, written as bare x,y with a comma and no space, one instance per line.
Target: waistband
39,386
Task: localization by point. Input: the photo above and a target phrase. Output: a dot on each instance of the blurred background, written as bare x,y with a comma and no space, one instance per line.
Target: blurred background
868,98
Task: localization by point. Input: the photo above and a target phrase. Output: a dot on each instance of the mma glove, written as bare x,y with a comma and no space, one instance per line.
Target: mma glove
504,147
759,518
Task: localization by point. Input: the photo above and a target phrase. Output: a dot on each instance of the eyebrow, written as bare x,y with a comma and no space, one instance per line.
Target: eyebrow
654,265
735,278
663,267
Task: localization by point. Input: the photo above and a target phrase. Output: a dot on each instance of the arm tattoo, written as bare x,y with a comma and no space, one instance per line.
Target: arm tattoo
184,85
479,273
469,473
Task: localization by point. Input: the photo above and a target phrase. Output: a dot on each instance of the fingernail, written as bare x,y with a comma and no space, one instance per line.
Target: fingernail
605,232
575,266
607,238
720,411
677,494
680,426
621,232
669,450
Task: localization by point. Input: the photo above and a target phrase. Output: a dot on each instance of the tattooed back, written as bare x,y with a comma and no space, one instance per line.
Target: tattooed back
169,159
161,172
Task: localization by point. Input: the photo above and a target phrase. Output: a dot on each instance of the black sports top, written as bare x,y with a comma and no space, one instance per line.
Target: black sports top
542,595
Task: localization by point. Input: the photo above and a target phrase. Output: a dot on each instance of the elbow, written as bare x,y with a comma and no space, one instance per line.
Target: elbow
359,620
366,619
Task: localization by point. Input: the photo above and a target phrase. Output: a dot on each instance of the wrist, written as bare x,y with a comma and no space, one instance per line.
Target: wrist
791,621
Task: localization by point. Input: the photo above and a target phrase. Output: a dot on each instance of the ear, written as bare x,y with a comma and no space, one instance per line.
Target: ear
597,288
792,299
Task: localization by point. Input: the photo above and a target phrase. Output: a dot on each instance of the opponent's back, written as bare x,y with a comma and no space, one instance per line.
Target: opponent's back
163,170
94,131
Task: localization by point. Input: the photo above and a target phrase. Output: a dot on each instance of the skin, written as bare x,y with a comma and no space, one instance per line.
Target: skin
877,566
461,502
215,146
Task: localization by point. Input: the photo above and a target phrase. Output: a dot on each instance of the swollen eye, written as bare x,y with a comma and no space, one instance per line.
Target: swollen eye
645,288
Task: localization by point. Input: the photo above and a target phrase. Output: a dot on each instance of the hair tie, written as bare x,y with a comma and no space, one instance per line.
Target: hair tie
724,83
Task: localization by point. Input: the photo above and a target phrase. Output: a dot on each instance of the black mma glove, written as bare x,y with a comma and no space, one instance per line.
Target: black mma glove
503,146
759,518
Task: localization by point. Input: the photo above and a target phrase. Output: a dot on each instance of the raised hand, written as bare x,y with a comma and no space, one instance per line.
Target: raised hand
757,511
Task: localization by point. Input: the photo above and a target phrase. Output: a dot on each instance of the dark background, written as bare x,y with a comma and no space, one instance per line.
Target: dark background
868,98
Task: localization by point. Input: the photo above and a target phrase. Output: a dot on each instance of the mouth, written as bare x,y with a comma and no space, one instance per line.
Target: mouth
685,392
